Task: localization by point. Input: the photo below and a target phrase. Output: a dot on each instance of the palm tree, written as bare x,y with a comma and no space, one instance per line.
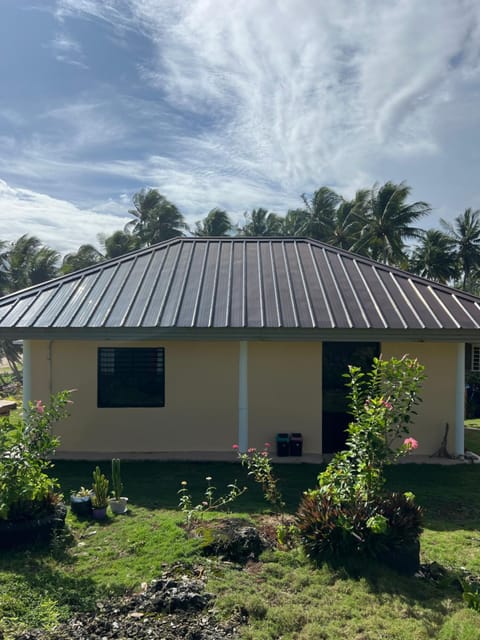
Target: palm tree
44,265
29,262
118,243
346,227
155,218
86,256
261,223
434,257
387,222
295,223
321,210
23,263
216,223
4,279
465,234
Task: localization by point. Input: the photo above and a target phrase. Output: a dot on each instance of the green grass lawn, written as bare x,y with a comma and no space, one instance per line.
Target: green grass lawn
284,596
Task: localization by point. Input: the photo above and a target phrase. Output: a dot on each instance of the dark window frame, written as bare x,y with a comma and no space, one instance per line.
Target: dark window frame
130,377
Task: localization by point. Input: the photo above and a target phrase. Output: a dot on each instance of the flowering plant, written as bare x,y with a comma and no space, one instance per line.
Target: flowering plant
350,513
382,403
25,448
259,466
209,503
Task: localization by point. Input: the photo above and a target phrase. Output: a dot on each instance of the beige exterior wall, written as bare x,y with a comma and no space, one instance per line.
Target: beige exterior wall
285,392
201,393
438,391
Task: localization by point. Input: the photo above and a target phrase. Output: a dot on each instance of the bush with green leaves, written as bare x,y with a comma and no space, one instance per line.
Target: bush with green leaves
26,446
349,513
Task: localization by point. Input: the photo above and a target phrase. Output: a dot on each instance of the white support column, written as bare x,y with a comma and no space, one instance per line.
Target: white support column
460,402
243,397
27,373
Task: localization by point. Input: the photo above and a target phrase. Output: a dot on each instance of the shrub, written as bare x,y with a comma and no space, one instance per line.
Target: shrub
25,448
349,514
333,532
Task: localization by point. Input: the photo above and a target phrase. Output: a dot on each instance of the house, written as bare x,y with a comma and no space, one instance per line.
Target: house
194,344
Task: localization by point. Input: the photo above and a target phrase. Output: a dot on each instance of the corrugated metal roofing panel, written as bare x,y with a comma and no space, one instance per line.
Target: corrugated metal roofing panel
82,313
220,314
77,300
320,305
36,307
16,311
288,316
145,288
187,312
400,302
333,295
254,312
58,301
159,295
271,313
207,286
133,275
241,284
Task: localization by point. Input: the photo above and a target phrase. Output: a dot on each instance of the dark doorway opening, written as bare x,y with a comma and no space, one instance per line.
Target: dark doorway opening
336,358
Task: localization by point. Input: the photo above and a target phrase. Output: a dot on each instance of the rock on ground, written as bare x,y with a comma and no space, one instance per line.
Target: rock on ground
169,608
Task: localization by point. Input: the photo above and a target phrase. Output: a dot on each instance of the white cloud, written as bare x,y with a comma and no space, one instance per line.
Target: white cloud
68,50
253,103
306,93
57,223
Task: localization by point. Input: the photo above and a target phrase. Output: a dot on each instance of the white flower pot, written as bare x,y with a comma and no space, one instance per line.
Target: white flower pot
118,506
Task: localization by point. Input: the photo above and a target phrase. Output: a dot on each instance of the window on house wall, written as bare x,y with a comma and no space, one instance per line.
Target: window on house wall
131,377
475,357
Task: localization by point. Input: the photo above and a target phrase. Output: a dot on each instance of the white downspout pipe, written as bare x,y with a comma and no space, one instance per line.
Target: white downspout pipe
460,402
243,397
27,373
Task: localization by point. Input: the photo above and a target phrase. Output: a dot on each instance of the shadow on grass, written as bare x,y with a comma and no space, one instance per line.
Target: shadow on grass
155,485
37,576
448,495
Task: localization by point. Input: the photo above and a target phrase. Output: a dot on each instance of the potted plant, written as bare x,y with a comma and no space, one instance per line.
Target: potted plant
118,503
81,502
100,494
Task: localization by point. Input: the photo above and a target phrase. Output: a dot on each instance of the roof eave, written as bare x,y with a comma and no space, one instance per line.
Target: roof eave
238,334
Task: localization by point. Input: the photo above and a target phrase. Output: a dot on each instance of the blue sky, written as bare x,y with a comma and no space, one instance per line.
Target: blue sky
231,104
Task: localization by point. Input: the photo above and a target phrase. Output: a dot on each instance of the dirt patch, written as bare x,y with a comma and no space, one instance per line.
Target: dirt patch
173,606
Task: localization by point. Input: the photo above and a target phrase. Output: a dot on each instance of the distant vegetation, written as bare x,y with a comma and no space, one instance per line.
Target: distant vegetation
380,223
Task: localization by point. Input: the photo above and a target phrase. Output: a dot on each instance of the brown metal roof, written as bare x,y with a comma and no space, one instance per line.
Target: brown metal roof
258,286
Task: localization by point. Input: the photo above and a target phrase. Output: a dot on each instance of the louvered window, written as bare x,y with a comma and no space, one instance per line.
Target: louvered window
475,357
131,377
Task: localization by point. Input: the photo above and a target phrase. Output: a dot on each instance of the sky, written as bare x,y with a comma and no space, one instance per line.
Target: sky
221,103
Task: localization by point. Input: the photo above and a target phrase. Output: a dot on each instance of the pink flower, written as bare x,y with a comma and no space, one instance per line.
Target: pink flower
235,446
388,405
267,445
410,443
264,453
251,450
39,406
